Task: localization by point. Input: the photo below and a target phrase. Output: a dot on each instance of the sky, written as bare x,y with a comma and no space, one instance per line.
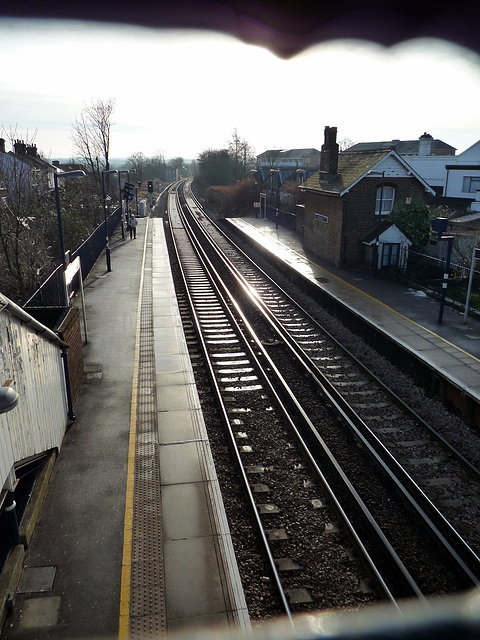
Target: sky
179,93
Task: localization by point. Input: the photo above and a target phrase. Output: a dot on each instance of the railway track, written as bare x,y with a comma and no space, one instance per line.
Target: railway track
332,539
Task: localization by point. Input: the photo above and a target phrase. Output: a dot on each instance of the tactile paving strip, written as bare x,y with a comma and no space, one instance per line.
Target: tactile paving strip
147,593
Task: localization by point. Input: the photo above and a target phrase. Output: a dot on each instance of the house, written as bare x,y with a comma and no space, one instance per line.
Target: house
348,199
23,169
455,178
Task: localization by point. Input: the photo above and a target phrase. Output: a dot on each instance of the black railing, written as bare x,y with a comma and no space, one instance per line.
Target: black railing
426,272
50,293
282,218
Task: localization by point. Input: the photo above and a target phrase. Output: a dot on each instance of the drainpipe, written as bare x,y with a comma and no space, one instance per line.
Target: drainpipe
71,414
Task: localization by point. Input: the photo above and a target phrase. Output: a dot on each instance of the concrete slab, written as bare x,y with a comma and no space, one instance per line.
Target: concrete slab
176,426
180,463
192,578
186,512
39,613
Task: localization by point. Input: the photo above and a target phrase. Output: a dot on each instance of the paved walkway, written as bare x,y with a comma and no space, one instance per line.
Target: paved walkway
132,540
407,315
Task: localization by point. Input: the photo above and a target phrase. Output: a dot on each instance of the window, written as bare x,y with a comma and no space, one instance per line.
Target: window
390,255
387,197
471,184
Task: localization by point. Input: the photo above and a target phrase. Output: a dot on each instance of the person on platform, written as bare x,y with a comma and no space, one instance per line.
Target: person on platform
132,225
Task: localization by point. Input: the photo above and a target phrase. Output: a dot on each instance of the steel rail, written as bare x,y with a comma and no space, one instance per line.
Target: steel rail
223,410
449,538
374,529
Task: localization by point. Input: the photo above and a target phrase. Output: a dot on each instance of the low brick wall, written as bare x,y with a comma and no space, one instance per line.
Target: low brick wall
70,332
67,324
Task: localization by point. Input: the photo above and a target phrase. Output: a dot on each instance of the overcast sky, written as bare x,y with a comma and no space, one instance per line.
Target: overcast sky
181,92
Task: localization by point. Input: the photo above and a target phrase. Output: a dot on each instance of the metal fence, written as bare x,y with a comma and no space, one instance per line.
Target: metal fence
282,218
426,272
50,293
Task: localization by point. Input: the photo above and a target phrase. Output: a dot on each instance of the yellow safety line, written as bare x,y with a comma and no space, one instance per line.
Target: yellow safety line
352,286
125,582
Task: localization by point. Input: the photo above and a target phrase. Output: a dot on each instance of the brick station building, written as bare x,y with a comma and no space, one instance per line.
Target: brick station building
342,203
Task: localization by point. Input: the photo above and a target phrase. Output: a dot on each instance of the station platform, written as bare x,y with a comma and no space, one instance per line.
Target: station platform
406,315
132,540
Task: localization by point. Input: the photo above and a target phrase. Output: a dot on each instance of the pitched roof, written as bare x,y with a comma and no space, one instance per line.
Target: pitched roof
404,147
387,232
277,154
352,167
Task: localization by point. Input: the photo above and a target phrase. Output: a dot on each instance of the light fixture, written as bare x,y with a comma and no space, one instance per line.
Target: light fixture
106,198
65,174
8,399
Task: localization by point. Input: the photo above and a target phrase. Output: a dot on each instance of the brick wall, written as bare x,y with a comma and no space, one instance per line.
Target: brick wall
323,238
70,332
350,218
360,212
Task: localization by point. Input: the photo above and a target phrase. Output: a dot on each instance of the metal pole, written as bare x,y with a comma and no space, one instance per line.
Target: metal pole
127,213
474,256
377,240
60,234
120,199
70,412
107,243
445,277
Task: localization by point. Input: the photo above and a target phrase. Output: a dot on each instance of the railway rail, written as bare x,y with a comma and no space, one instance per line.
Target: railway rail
330,484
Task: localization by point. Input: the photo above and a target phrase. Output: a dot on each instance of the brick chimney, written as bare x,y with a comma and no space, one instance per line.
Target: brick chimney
329,155
20,148
32,150
2,145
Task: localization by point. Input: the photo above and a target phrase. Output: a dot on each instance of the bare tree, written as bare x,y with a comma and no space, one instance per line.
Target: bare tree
242,155
91,135
136,164
345,143
270,157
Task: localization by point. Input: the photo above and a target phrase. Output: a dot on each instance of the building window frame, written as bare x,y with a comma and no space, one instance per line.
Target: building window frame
388,199
471,184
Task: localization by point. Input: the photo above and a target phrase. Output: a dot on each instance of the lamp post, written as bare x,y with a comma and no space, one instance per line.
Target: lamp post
377,239
136,198
120,196
65,174
107,243
276,173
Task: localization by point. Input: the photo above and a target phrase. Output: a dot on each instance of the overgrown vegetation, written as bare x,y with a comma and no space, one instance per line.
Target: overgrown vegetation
222,167
232,200
414,220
